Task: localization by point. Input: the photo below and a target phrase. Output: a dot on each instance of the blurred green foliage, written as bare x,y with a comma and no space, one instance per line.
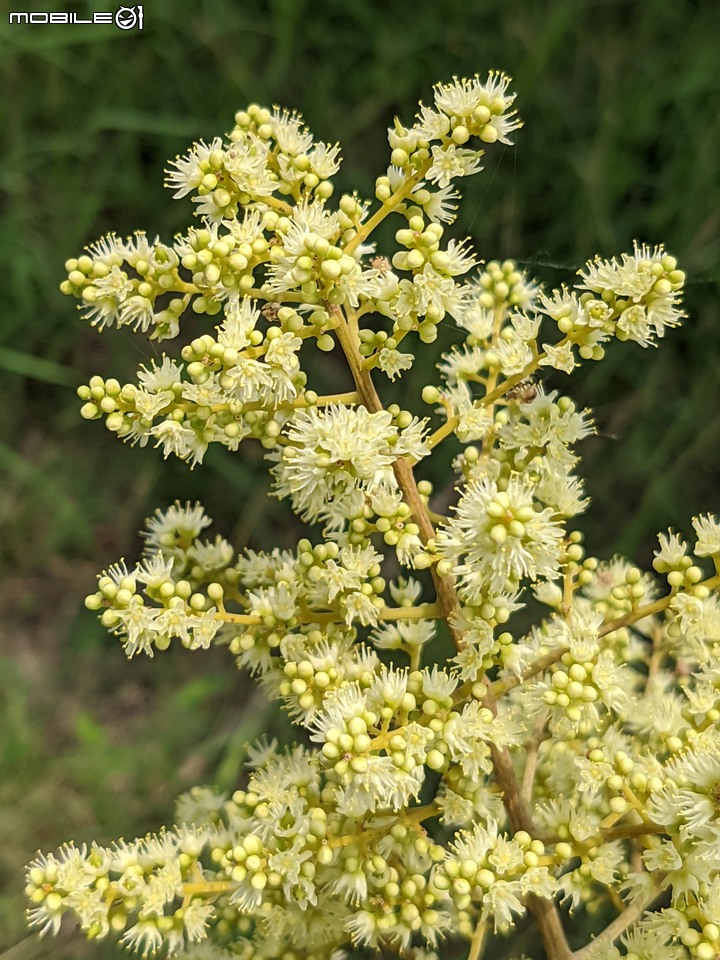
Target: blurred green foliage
622,108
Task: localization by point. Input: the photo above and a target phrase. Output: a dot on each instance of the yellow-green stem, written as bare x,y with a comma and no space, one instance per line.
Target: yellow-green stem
209,889
501,687
387,208
545,911
424,611
451,423
477,944
616,929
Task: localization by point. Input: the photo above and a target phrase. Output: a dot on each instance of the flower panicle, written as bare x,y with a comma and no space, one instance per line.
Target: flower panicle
567,748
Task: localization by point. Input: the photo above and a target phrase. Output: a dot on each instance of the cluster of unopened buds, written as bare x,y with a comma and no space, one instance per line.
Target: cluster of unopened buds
459,769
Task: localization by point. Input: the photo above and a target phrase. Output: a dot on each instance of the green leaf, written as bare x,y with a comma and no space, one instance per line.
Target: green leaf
36,368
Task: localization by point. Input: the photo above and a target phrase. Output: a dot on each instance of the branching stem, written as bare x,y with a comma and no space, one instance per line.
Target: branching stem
500,687
205,888
424,611
545,911
620,924
387,208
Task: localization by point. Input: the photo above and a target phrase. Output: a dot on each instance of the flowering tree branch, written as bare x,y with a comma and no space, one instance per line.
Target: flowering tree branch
565,758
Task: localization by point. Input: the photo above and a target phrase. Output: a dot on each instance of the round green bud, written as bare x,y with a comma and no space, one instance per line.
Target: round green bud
348,205
330,269
414,260
326,343
427,331
430,394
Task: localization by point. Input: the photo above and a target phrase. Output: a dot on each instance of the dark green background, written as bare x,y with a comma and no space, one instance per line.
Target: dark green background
621,103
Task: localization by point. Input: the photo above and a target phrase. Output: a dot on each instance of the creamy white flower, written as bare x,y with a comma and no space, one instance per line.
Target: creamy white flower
631,276
642,279
155,570
394,363
451,161
403,633
173,530
707,531
633,323
500,537
513,353
460,258
462,96
543,420
325,159
559,357
332,453
441,206
160,377
672,549
240,319
474,423
290,132
140,626
188,172
174,438
144,938
439,292
110,249
282,353
212,555
136,312
246,161
149,405
110,292
432,124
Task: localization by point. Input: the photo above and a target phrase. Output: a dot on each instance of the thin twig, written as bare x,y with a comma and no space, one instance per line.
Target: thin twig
479,940
531,760
620,924
545,912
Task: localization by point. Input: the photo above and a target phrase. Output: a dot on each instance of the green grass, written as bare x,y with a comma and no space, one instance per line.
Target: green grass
621,102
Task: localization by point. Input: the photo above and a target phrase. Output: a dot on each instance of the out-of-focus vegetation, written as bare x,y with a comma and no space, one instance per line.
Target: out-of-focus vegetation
622,108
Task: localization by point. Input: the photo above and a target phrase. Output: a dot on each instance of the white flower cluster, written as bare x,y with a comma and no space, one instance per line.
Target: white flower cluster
307,850
240,383
145,879
338,462
500,538
577,758
182,586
